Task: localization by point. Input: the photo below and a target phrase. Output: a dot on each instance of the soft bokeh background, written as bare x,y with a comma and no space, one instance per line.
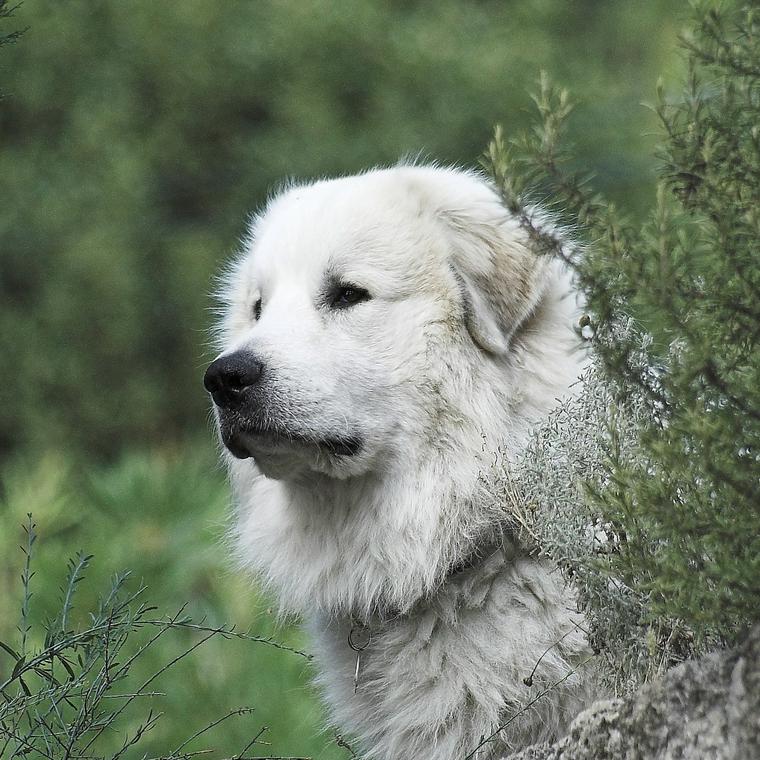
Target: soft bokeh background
135,137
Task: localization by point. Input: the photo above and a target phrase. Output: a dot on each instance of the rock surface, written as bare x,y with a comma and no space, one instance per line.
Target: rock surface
707,708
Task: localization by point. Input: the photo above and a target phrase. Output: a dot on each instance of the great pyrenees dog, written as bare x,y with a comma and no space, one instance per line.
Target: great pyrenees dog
383,336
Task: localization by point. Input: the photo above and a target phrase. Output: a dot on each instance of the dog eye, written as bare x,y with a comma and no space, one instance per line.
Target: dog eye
344,296
257,310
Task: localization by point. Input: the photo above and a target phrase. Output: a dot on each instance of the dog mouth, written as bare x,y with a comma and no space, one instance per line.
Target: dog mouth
244,442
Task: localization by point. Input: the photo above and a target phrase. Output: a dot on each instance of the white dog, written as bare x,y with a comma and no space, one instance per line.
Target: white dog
384,335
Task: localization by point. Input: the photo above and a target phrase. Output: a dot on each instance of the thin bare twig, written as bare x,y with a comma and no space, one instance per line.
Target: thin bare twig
523,709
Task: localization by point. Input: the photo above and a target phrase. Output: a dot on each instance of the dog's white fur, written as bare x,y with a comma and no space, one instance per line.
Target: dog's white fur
466,341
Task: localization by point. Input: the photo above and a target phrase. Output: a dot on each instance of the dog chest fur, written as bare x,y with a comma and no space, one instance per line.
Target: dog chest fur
434,682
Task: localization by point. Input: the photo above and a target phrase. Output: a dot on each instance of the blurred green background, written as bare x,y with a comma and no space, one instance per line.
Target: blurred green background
135,137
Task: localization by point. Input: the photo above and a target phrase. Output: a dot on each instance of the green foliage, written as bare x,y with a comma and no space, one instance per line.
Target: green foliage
77,696
683,502
6,11
136,137
163,516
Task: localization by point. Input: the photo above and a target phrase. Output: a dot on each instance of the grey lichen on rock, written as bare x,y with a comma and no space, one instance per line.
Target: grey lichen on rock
705,708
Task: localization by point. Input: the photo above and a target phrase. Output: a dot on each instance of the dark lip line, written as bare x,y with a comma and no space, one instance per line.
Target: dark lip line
347,446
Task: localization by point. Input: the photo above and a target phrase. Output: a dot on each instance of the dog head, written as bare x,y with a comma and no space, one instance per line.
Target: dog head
348,308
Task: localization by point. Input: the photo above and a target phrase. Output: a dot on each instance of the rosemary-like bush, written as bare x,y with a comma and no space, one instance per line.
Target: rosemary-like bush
645,488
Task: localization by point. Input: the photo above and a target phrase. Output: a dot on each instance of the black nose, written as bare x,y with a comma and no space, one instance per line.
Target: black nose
229,377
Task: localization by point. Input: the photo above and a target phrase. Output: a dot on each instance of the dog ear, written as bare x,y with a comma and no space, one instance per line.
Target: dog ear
479,317
502,280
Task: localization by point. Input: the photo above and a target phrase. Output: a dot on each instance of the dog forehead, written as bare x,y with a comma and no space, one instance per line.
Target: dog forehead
368,222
